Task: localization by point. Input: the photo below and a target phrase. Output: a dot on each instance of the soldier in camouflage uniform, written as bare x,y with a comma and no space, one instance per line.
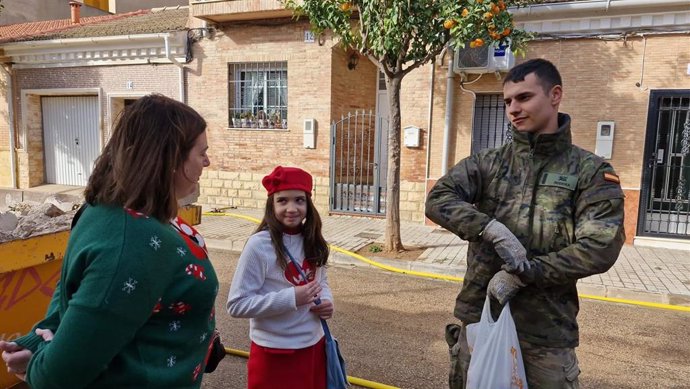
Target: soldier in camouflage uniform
540,213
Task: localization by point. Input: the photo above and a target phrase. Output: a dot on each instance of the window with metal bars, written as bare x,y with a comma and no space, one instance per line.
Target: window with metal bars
258,95
491,127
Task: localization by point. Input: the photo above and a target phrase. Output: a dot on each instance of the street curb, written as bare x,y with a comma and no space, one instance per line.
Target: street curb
340,259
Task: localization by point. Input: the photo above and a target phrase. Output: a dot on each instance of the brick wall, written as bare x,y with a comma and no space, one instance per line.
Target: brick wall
162,79
5,172
320,86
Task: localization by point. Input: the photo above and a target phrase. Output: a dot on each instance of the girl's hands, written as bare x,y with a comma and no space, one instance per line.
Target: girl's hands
324,310
307,294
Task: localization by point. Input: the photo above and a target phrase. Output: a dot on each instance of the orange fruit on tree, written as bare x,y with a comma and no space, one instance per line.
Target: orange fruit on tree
488,16
479,42
506,31
345,6
464,13
473,44
449,23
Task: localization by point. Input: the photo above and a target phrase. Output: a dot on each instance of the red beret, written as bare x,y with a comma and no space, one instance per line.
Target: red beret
287,178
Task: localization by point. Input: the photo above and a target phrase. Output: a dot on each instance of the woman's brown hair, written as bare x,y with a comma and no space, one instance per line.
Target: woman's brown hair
315,247
151,139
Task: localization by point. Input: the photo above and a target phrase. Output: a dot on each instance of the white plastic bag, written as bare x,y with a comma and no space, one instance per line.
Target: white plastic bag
496,361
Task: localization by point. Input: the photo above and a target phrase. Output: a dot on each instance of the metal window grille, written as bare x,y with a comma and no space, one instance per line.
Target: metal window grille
258,94
491,126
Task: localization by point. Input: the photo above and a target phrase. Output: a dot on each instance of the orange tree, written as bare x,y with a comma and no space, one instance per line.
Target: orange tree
401,35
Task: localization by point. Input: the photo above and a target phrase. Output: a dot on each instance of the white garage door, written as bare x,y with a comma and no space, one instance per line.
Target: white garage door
70,136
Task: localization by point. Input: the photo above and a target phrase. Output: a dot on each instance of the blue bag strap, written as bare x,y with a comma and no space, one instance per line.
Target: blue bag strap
326,331
299,269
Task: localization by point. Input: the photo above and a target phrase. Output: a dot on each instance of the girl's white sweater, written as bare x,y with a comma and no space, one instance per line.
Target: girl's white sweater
261,292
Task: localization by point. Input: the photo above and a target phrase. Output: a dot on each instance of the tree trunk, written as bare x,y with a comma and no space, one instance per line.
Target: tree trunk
393,239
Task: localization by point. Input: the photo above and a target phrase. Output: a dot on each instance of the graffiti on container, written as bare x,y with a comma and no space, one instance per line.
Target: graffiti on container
50,257
10,337
20,285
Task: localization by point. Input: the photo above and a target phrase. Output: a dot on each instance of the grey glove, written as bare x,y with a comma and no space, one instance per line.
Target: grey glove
507,246
503,286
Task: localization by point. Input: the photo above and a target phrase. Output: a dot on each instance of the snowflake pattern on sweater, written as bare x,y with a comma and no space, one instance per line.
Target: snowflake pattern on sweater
153,305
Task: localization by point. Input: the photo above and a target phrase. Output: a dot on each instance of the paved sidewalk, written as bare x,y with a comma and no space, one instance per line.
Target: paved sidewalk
641,273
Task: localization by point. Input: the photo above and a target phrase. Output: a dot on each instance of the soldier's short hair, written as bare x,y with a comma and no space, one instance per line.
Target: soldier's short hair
545,71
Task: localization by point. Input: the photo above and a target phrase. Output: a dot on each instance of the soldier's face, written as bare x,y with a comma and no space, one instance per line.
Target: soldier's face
530,108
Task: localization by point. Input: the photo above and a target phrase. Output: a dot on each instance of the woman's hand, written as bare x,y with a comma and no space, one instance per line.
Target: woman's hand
307,294
16,358
324,310
47,335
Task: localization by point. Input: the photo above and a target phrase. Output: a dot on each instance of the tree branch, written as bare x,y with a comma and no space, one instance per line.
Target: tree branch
423,61
403,53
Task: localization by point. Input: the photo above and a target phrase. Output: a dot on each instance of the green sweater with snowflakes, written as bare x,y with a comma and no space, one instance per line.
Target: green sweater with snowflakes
133,308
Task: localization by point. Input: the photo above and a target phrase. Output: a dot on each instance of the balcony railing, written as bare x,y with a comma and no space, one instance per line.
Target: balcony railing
220,11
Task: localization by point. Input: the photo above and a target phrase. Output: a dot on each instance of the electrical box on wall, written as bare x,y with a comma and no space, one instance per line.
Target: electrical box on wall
604,145
309,133
411,136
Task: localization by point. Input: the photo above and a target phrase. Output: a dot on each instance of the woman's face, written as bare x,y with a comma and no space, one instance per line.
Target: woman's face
187,176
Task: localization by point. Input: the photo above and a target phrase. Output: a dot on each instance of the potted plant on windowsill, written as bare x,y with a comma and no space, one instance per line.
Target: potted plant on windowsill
247,119
277,122
261,120
236,120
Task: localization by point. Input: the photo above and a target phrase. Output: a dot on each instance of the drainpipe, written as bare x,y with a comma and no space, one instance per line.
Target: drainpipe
10,109
474,100
430,119
180,66
450,102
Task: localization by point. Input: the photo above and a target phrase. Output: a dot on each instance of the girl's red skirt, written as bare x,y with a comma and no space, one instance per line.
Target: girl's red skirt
272,368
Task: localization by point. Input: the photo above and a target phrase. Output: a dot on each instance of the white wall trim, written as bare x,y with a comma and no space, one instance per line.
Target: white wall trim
666,243
25,93
98,51
118,95
604,16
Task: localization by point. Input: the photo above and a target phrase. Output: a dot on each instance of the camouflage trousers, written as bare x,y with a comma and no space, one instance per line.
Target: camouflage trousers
545,367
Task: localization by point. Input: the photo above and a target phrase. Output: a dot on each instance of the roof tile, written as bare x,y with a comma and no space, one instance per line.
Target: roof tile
136,22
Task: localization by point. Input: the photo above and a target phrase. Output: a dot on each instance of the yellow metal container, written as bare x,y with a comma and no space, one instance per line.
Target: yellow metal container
29,271
190,213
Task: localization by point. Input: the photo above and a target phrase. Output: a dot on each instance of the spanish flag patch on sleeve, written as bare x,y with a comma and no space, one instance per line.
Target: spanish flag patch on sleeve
611,177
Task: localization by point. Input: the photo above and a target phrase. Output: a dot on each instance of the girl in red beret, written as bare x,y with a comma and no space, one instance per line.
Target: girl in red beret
288,346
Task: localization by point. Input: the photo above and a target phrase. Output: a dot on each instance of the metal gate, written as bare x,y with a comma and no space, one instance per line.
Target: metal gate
70,137
490,127
359,164
664,207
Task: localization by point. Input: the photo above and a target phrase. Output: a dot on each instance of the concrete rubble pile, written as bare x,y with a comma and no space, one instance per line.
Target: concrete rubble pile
22,220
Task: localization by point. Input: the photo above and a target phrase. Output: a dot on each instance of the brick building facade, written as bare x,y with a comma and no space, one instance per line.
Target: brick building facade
612,61
626,66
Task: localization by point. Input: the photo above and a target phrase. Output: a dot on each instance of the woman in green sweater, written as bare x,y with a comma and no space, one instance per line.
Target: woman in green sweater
134,305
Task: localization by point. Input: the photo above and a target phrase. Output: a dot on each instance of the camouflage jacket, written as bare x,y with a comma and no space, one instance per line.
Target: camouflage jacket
563,203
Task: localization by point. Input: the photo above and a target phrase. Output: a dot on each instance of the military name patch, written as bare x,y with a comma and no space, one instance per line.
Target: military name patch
560,180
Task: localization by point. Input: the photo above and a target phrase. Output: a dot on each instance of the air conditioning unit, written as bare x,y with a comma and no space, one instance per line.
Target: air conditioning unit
484,59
